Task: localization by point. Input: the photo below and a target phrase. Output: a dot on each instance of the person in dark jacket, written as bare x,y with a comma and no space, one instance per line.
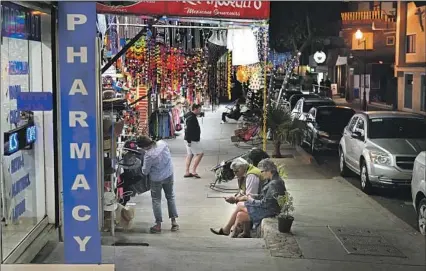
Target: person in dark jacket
192,141
254,208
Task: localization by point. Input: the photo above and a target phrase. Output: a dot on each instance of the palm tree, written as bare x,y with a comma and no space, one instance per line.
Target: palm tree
283,128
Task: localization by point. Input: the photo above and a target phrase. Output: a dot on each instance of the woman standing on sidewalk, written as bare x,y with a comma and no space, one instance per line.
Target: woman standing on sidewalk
158,165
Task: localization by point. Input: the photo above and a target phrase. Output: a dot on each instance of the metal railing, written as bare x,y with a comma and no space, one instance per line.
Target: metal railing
367,15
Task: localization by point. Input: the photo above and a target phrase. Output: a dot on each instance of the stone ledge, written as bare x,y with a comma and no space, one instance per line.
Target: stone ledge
279,244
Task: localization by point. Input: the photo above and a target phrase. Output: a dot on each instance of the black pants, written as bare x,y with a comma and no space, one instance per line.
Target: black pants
224,115
231,115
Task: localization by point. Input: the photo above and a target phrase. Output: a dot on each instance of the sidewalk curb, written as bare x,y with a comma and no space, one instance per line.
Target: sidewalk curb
308,158
382,210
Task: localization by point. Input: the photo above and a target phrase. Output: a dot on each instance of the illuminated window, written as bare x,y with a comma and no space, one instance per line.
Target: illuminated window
390,41
411,44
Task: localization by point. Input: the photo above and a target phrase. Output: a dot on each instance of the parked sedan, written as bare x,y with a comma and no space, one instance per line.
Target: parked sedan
325,125
296,97
381,147
305,104
418,191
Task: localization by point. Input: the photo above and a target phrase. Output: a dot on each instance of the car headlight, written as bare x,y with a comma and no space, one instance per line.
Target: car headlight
380,158
323,134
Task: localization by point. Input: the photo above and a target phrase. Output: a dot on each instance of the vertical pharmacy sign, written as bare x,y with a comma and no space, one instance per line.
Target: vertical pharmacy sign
78,121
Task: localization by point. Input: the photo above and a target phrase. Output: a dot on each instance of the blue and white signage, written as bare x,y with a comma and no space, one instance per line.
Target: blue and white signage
77,35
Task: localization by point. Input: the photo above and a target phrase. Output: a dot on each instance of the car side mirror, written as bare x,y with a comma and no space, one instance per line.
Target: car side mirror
357,135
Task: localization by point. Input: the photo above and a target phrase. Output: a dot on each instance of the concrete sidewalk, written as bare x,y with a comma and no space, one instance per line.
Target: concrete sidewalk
321,205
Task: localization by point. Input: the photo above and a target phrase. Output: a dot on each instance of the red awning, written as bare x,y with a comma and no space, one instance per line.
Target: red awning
231,9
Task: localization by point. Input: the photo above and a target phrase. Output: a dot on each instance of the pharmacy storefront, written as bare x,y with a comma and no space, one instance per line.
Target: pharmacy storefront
27,145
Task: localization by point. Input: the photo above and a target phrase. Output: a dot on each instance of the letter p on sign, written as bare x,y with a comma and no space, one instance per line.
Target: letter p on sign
75,19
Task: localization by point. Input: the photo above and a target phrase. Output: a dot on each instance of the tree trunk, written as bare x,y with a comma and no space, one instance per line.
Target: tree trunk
277,149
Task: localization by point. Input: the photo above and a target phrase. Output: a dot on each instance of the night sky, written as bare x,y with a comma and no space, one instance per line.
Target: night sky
288,16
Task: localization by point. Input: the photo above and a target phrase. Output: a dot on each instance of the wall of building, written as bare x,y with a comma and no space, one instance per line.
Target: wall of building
27,173
378,48
414,28
412,64
417,99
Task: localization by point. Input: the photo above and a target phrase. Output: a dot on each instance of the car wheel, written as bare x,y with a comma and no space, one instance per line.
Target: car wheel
344,170
365,181
421,216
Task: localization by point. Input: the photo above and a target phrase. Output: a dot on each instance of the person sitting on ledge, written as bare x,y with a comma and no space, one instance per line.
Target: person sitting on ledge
257,207
249,180
235,112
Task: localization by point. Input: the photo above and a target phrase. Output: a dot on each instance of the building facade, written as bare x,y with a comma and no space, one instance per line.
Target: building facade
369,57
27,172
410,64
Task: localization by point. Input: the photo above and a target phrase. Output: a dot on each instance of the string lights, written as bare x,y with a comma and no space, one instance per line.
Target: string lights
265,88
229,75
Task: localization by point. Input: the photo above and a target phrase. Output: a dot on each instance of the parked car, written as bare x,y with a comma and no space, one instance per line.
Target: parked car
289,93
325,125
418,191
381,147
305,104
296,97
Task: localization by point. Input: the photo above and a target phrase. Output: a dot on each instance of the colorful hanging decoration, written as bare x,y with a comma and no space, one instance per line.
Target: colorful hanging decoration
243,74
255,78
229,75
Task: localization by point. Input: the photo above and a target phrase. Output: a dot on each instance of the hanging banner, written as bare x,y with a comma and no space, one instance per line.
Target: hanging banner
232,9
79,135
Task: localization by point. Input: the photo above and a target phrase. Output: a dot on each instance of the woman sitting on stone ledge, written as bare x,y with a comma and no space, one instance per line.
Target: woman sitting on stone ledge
256,207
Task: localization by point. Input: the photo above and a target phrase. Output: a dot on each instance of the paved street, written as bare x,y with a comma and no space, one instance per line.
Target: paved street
396,201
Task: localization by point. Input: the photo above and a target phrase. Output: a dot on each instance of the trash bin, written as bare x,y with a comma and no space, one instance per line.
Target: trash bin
356,93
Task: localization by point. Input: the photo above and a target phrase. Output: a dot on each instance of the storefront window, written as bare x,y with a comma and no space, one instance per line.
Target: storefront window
23,132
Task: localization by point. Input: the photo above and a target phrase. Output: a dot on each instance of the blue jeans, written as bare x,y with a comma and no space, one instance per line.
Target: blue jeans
156,188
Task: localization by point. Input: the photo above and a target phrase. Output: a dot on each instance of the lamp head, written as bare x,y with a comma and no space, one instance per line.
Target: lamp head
358,34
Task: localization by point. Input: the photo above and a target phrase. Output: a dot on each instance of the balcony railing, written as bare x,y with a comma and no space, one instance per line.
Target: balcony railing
373,15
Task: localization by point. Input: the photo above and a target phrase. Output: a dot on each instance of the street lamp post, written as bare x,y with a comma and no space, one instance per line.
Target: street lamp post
360,37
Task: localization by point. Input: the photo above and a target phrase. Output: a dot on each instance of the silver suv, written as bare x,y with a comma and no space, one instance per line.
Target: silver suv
381,147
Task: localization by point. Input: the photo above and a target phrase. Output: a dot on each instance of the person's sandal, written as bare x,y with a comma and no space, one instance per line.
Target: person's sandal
190,175
218,232
243,235
155,229
196,176
175,227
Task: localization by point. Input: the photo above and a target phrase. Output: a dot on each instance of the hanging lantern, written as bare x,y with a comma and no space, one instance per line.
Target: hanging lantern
243,74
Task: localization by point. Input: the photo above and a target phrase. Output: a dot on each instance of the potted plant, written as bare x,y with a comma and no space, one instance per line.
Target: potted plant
283,128
285,218
279,122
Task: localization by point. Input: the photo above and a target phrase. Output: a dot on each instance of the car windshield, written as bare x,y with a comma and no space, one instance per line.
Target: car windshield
296,97
288,94
308,105
334,117
397,128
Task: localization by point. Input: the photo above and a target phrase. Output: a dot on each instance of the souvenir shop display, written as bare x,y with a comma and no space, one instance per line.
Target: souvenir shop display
170,67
